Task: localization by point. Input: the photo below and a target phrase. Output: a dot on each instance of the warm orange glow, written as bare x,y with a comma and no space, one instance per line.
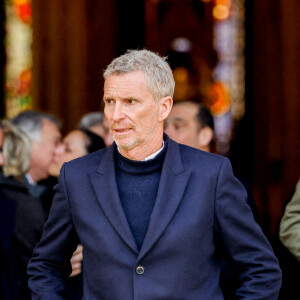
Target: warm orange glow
221,12
220,97
23,11
223,2
181,74
21,2
19,57
26,76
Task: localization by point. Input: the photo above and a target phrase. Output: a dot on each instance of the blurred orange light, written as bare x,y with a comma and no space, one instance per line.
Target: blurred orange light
21,2
221,12
220,97
180,74
23,11
26,76
223,2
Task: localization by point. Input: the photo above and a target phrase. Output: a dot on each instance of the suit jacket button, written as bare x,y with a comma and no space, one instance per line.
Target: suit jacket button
140,270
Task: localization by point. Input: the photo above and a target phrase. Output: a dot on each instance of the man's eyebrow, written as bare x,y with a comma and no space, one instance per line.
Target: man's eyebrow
106,98
131,98
124,99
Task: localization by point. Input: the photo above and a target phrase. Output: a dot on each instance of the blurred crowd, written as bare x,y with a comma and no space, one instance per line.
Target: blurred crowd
32,151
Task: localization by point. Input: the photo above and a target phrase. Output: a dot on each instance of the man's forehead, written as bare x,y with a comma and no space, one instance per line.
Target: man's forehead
184,110
183,113
120,74
184,106
175,119
127,87
118,77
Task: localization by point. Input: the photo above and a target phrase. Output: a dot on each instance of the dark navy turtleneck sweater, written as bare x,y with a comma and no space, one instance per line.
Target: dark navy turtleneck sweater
138,183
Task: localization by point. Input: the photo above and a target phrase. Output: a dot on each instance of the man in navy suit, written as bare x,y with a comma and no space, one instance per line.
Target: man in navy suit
154,217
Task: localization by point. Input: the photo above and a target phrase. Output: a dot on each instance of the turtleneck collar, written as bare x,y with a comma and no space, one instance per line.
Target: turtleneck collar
152,155
149,165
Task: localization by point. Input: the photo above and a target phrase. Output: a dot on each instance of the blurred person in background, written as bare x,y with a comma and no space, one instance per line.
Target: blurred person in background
97,123
192,124
287,245
76,143
44,134
45,138
21,215
290,224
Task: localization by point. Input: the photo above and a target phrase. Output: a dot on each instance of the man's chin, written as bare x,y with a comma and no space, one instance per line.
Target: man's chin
125,144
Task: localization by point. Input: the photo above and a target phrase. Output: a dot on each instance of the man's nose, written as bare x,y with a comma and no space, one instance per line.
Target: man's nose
118,112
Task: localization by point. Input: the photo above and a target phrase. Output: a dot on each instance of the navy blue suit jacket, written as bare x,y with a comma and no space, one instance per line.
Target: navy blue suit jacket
200,214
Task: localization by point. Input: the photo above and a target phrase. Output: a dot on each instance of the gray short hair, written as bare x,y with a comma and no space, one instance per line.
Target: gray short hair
91,119
157,71
31,122
16,151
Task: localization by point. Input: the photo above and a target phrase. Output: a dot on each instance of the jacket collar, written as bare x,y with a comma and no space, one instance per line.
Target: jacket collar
173,181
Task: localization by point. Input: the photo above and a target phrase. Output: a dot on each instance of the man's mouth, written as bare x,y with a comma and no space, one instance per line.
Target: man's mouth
122,130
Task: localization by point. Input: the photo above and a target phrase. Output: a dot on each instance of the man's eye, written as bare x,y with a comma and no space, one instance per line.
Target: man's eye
131,101
109,101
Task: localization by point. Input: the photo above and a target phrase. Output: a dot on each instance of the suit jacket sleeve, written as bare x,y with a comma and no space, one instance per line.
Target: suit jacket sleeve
290,224
245,246
47,269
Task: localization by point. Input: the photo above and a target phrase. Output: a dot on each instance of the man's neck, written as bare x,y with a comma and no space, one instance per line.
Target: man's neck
151,156
140,153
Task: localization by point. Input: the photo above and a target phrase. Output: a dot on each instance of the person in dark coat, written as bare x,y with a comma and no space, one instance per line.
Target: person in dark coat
152,215
43,130
21,215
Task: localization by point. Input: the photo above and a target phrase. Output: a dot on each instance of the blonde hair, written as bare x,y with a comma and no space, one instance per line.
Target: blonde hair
16,151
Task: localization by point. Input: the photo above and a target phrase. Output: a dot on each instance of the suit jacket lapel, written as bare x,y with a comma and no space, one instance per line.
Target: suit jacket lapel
170,192
105,186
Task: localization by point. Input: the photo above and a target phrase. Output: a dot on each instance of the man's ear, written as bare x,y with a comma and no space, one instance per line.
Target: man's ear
205,137
165,106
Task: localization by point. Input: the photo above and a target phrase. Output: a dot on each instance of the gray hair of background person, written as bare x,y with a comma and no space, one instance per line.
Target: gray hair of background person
31,122
90,120
157,71
16,151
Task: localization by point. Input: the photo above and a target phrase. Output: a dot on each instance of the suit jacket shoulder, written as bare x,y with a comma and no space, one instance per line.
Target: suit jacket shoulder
87,164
